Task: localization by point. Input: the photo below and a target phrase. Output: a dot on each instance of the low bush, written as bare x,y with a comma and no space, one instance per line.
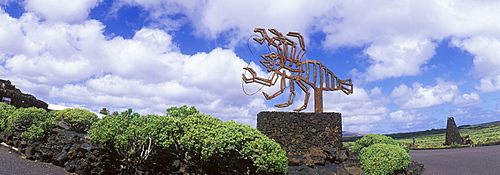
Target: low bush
32,122
381,159
209,141
196,139
78,120
5,111
371,139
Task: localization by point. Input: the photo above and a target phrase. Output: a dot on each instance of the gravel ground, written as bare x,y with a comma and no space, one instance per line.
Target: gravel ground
12,163
483,160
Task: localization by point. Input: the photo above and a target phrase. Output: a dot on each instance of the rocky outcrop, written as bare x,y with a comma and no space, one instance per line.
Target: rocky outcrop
453,134
17,98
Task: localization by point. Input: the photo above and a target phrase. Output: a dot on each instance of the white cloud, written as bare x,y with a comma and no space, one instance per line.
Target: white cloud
367,128
418,96
489,84
486,60
410,119
399,38
476,115
486,52
76,64
61,10
467,99
361,111
398,57
57,107
235,20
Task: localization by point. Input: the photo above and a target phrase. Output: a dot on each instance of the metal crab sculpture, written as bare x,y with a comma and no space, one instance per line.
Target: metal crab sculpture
287,64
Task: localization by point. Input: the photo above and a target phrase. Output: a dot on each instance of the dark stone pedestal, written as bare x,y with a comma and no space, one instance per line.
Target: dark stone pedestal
297,132
452,133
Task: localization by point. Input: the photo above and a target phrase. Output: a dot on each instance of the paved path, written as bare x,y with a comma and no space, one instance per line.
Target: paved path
11,163
483,160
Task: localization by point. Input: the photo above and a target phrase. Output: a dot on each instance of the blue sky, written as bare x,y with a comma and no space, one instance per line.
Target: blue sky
413,63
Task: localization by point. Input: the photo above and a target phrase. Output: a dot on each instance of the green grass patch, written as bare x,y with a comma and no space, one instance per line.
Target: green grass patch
435,138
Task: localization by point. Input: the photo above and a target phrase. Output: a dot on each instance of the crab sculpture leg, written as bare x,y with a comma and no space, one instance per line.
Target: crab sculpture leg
305,88
268,82
271,81
281,90
298,56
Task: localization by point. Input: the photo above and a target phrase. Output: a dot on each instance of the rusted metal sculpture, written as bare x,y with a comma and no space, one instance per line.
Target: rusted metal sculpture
287,64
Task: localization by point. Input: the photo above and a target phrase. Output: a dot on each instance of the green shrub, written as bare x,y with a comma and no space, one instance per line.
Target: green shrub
5,111
33,122
181,112
196,139
78,120
381,159
371,139
109,129
210,138
266,154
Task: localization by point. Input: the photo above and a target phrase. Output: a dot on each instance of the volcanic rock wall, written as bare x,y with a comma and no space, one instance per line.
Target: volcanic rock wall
297,132
17,98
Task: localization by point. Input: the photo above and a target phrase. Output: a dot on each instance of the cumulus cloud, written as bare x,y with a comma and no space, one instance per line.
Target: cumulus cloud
233,20
396,58
467,99
419,96
486,60
50,53
489,84
362,111
80,67
399,38
411,119
64,11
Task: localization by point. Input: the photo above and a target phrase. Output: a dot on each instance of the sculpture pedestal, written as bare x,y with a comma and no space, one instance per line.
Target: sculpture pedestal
296,132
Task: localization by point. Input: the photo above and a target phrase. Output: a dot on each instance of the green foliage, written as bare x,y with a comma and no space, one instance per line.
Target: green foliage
104,111
371,139
78,120
33,122
134,137
206,137
110,128
197,139
181,112
5,111
267,155
381,159
454,145
129,113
